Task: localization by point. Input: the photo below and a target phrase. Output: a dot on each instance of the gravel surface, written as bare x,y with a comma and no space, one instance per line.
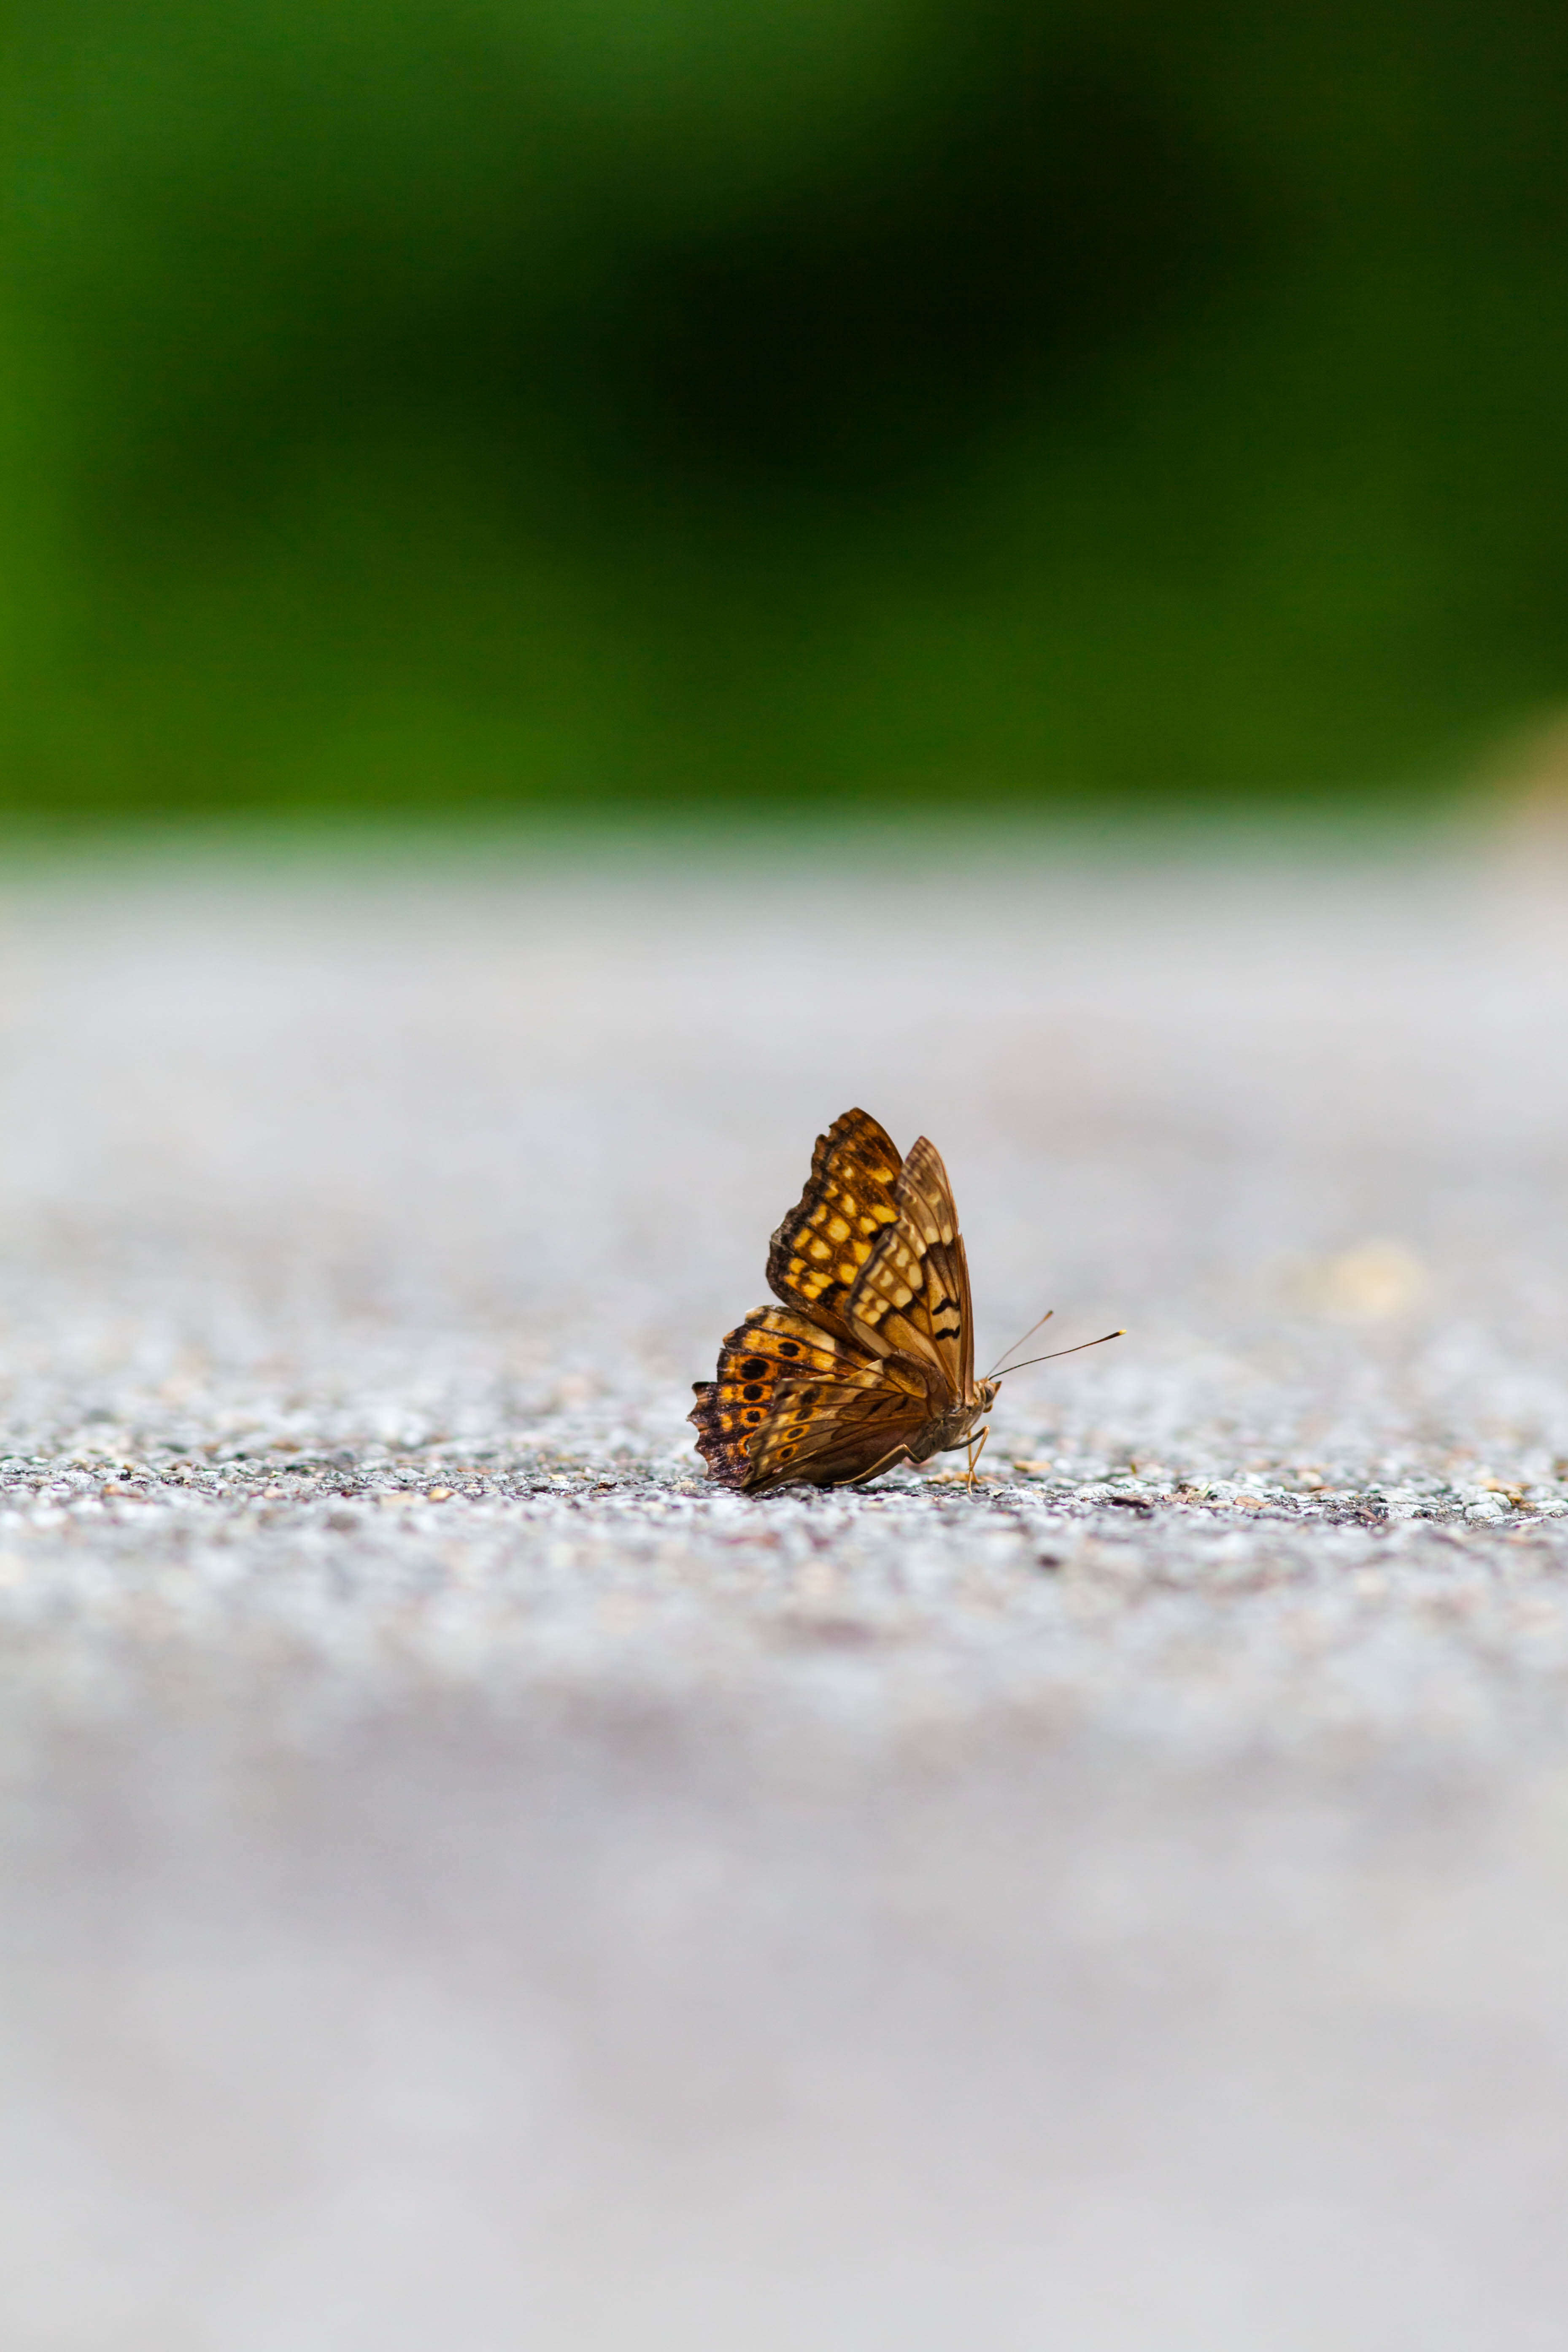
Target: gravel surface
475,1884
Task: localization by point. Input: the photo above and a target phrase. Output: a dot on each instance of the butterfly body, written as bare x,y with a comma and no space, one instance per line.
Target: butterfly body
867,1360
957,1426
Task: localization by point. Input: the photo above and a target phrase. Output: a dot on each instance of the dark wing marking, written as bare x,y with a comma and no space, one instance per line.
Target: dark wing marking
850,1200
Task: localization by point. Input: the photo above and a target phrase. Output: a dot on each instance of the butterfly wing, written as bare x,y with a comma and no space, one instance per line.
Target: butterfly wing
794,1399
838,1435
912,1294
851,1202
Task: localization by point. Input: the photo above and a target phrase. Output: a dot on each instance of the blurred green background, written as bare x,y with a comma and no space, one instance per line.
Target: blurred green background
437,404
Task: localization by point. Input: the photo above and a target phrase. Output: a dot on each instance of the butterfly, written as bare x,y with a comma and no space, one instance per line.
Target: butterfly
868,1359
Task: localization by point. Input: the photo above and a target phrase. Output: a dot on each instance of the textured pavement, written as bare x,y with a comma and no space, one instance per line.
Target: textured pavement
474,1883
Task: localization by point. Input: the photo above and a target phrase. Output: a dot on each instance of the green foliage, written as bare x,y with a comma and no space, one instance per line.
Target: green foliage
410,406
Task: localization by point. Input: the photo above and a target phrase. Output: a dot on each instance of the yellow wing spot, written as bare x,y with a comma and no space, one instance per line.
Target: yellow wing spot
903,1295
838,1230
947,1233
817,1249
847,1272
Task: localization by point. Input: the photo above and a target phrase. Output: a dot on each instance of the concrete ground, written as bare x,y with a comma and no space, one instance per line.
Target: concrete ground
471,1883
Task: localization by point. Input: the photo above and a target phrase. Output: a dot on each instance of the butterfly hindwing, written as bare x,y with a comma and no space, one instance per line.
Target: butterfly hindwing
785,1381
830,1431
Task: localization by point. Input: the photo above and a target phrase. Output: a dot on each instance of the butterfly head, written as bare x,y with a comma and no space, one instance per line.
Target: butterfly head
985,1394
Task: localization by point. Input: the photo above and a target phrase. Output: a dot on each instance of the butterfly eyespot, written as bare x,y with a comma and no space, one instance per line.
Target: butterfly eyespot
751,1392
754,1368
753,1417
789,1348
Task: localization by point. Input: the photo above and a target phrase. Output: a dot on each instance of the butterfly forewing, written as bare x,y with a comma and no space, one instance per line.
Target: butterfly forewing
850,1201
913,1292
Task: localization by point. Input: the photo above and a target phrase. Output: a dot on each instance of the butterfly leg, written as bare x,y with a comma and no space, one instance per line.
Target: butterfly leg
888,1462
976,1448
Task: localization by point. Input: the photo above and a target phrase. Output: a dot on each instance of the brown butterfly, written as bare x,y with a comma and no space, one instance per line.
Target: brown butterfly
869,1359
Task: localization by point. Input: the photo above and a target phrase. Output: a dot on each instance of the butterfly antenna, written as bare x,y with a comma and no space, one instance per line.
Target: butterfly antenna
1062,1351
1018,1343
